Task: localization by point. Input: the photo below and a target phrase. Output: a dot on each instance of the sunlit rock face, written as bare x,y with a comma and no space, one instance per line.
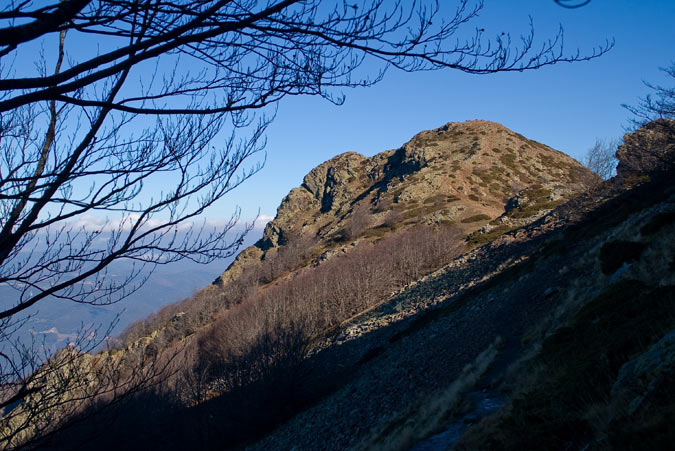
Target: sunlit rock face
476,175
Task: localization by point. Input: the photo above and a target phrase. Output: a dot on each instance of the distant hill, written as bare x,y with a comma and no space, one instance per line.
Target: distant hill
57,322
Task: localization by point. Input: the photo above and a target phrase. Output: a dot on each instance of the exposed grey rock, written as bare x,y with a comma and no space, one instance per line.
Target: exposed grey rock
649,149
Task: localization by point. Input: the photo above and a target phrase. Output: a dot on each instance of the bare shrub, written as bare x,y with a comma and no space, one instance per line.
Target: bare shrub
251,361
359,221
249,341
393,218
601,159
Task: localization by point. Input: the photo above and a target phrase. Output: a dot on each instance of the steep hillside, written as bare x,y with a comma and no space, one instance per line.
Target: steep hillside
558,335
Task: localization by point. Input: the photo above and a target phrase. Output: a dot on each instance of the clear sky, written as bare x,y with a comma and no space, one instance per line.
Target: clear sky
565,106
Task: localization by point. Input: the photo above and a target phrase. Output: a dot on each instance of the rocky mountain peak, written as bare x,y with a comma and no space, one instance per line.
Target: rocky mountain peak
474,175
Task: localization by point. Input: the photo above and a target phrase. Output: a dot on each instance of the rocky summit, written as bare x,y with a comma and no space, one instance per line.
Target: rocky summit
473,175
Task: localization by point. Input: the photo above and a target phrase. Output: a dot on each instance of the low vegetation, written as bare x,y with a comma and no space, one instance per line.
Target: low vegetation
479,238
570,403
476,218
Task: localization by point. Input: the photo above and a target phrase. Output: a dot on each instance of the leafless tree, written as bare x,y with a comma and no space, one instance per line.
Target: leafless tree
601,157
103,100
359,220
659,104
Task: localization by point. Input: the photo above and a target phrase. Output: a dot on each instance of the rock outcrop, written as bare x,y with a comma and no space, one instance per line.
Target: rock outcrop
647,150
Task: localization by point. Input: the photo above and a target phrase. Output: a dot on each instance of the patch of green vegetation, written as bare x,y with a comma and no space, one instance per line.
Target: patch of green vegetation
658,222
337,238
495,187
476,218
538,196
413,213
537,193
579,364
451,198
474,198
432,208
477,238
434,199
615,253
378,232
485,176
496,150
508,160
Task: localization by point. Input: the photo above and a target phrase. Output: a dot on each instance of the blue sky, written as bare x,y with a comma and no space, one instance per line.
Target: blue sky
565,106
